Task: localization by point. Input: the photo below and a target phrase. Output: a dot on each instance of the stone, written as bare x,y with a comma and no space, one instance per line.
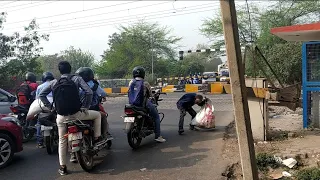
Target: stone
292,134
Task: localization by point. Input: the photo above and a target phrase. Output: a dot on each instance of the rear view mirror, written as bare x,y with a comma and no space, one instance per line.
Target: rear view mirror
12,99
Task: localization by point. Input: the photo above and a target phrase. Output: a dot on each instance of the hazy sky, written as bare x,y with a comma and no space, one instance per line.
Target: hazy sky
94,21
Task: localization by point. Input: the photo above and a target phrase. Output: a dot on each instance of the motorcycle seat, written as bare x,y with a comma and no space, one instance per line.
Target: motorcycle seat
136,108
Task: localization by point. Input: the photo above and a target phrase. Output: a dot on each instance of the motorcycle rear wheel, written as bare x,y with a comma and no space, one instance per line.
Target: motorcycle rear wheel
133,138
85,160
51,144
27,134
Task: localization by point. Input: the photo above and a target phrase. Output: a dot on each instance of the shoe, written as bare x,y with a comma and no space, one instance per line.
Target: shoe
73,158
40,146
63,171
191,127
160,139
181,131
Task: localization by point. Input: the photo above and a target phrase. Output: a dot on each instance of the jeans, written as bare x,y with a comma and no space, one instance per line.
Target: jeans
62,129
183,113
155,115
39,134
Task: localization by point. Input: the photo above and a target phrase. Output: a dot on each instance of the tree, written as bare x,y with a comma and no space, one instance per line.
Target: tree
50,63
135,45
78,58
18,53
257,29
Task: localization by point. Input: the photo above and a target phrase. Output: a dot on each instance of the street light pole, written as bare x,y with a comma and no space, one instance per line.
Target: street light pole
152,56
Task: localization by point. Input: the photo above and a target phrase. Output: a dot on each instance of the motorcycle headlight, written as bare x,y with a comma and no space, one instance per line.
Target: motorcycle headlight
12,120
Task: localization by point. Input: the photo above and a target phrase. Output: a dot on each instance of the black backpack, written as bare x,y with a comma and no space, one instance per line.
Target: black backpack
66,96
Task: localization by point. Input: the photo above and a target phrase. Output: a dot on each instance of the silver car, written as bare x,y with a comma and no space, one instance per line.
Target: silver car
6,100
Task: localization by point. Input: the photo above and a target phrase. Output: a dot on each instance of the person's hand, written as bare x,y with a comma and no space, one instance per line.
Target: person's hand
84,110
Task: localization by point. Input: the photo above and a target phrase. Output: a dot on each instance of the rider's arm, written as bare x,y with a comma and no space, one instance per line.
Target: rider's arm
101,92
45,91
84,86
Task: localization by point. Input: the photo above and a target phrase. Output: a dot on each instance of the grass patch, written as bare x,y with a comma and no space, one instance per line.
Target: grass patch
265,160
308,174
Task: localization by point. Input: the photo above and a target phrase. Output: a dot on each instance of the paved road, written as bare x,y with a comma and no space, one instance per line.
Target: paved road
195,155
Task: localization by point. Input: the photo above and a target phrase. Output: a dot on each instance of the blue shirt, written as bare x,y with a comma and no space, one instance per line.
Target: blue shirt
96,94
187,100
42,86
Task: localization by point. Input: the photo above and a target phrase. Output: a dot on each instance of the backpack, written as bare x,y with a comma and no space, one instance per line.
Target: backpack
136,93
24,94
66,97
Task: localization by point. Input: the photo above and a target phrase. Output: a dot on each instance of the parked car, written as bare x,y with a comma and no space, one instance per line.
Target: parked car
209,77
6,100
10,139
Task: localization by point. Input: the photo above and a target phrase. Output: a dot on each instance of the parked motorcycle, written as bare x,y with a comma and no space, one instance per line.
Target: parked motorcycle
28,127
81,138
138,123
49,130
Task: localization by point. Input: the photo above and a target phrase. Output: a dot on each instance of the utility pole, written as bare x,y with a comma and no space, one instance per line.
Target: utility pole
238,87
152,40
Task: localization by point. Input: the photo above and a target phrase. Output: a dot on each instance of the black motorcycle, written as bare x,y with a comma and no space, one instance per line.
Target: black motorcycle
28,127
49,131
138,123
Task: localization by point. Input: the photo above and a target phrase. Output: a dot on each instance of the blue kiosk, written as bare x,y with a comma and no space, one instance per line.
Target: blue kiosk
310,35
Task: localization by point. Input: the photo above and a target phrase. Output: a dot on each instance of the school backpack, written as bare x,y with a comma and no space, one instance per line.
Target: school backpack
24,94
66,97
136,93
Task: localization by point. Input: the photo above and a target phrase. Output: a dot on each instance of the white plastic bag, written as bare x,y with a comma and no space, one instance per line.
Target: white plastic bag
205,117
36,107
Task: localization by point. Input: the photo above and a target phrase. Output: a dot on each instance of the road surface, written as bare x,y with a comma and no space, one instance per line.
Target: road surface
196,155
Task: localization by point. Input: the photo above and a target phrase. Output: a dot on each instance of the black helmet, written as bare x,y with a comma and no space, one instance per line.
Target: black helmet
31,77
138,72
86,73
47,76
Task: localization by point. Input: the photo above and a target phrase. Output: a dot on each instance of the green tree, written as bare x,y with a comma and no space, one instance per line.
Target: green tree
279,13
50,63
18,53
78,58
135,45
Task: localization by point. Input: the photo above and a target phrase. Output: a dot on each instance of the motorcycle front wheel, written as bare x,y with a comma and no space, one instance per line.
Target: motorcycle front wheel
133,137
84,158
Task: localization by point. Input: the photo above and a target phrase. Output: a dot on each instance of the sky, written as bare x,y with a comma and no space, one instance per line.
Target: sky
87,24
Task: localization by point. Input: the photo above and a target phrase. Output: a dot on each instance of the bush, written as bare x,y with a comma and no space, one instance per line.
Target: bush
308,174
265,160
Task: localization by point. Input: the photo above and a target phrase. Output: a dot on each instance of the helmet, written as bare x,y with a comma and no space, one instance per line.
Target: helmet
138,72
86,73
47,76
31,77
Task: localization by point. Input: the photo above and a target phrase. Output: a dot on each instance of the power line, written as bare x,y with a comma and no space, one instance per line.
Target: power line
45,17
76,18
9,3
128,21
119,18
19,5
34,5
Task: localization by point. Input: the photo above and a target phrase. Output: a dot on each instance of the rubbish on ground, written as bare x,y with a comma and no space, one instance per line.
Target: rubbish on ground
289,162
278,159
143,169
286,174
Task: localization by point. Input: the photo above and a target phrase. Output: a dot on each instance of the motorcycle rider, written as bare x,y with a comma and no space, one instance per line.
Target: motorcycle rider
26,91
139,75
82,113
88,76
185,104
46,78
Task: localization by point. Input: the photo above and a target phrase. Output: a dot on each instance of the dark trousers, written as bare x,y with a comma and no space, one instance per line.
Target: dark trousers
183,113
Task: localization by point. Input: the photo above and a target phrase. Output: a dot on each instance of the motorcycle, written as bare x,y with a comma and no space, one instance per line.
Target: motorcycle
138,124
49,130
80,137
28,127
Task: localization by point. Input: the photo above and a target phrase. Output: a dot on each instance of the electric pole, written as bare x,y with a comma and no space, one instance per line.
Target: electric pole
238,87
152,41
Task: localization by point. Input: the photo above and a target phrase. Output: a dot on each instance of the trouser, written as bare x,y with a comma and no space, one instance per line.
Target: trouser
104,124
155,115
62,129
39,134
183,112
